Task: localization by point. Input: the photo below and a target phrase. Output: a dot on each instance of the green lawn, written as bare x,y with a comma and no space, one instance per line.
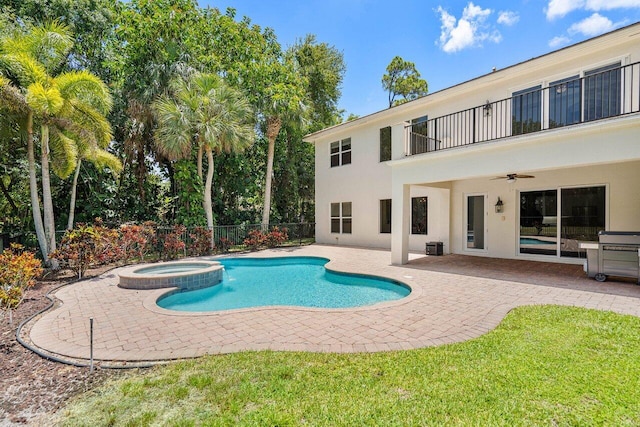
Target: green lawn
544,365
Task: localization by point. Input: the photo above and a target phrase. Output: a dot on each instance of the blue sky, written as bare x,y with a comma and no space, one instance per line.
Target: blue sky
449,41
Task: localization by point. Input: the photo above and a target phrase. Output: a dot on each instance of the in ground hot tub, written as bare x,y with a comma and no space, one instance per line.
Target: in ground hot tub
186,275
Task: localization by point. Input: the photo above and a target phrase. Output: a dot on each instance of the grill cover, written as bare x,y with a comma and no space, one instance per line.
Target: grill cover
619,237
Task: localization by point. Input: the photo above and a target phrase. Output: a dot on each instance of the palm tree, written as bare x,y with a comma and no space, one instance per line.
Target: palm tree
282,100
207,114
70,109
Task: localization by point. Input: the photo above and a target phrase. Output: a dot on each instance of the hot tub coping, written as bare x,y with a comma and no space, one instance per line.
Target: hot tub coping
210,274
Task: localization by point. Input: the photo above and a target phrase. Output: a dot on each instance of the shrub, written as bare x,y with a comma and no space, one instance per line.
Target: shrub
18,270
173,244
276,237
224,245
78,249
200,241
254,240
137,240
108,248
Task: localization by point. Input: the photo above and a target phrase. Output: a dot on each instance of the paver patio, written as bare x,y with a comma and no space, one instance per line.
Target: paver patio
443,307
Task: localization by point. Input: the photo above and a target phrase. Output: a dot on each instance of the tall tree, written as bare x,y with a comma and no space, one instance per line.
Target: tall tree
69,108
206,114
323,68
403,80
283,100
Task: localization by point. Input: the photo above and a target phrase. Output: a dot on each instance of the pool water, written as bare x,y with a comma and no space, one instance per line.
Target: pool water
533,241
291,281
172,268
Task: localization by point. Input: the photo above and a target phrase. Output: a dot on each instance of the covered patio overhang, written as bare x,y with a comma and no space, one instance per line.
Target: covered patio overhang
584,155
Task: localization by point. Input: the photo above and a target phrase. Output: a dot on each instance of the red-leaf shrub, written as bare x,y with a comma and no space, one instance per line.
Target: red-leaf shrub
224,245
276,237
18,270
173,244
78,248
136,241
200,241
254,240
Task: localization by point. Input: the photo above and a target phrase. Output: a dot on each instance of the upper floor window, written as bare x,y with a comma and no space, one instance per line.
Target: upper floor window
419,136
418,215
526,110
602,92
564,102
341,152
385,144
341,217
385,216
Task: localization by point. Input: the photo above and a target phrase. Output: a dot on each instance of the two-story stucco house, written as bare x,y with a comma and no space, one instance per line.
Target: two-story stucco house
524,162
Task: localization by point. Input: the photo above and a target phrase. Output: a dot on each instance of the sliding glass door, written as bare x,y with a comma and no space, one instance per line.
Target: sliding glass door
554,222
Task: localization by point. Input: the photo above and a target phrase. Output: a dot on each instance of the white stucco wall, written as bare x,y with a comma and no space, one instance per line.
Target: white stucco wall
622,182
364,183
605,152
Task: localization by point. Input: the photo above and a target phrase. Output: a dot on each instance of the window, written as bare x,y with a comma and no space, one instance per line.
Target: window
525,105
564,102
418,215
341,217
385,216
385,144
602,92
341,152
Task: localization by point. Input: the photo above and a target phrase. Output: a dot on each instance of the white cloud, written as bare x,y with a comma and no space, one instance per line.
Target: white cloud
559,41
468,31
594,25
508,18
559,8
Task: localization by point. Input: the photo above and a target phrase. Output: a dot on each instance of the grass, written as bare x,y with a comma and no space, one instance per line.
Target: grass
544,365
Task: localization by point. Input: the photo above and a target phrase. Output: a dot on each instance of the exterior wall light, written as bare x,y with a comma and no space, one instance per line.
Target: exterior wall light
487,108
499,206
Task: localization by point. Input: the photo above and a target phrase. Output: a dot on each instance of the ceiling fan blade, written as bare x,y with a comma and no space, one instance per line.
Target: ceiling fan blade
524,176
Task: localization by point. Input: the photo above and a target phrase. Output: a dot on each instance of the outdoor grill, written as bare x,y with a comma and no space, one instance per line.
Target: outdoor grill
617,253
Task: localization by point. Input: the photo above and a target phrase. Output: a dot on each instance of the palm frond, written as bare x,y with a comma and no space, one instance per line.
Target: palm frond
173,136
22,68
90,119
64,154
50,43
102,159
44,100
11,98
87,87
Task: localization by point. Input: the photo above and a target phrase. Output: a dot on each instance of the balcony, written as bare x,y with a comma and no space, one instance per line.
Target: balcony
600,94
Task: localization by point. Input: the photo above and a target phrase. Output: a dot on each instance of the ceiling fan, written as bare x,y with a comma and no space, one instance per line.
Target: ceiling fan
512,177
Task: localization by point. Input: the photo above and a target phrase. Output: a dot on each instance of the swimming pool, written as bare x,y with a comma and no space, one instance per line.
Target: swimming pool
534,241
286,281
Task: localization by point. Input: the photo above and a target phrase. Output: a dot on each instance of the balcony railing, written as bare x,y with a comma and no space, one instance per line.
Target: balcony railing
596,96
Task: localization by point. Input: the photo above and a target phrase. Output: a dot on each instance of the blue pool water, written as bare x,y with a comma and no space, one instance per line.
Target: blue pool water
291,281
532,241
173,268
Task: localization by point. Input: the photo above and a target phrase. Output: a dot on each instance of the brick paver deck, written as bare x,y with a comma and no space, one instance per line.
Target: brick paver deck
454,298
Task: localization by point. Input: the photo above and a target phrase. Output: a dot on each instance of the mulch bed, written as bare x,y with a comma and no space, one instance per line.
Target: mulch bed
32,387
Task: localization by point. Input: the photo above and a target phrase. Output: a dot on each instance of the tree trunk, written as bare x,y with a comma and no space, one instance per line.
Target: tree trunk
200,149
47,202
208,206
33,189
273,129
72,203
7,195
